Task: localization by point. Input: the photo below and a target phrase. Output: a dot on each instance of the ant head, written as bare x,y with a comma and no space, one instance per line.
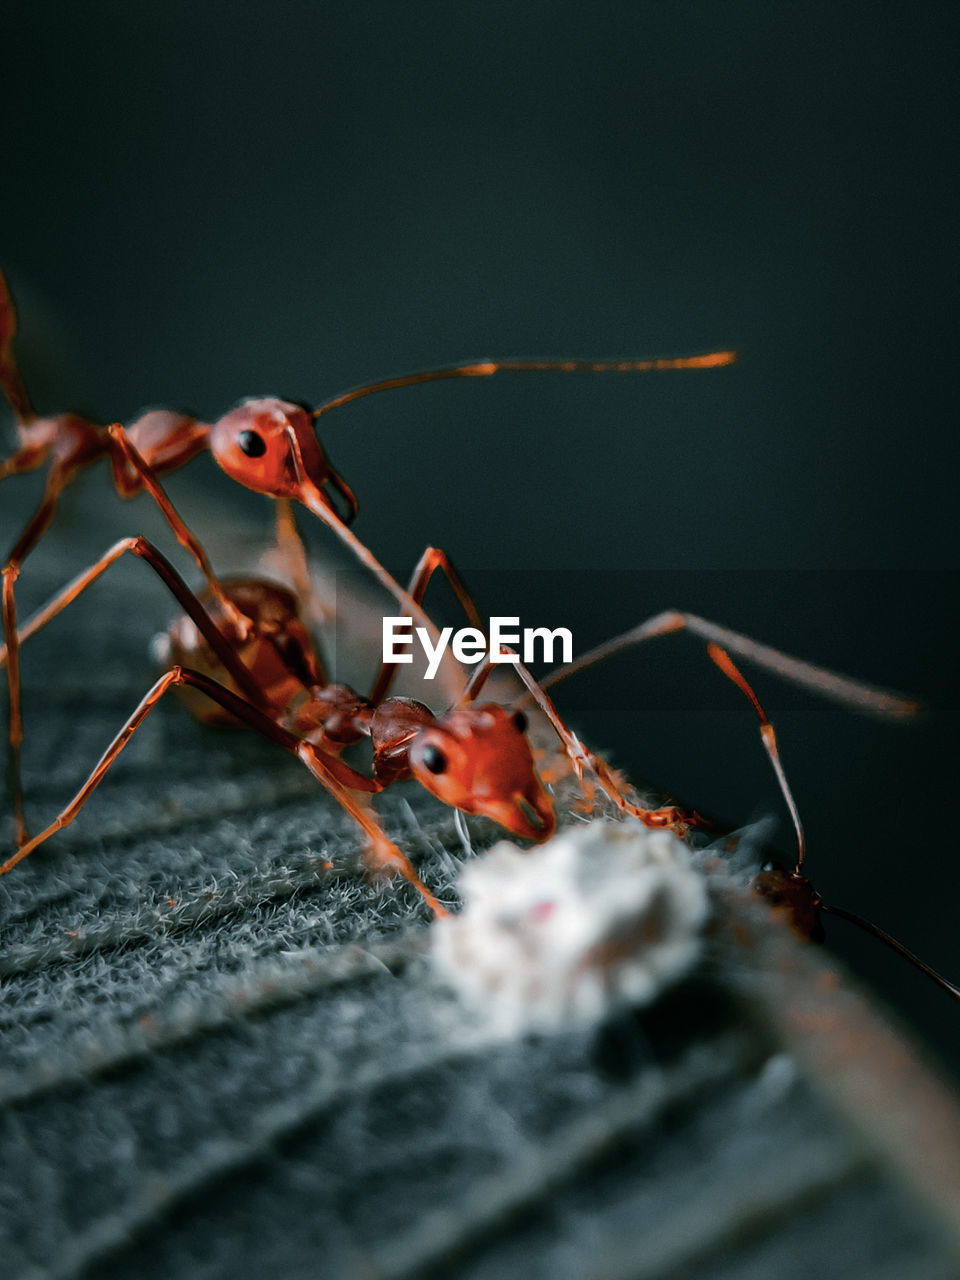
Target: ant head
477,758
792,893
270,446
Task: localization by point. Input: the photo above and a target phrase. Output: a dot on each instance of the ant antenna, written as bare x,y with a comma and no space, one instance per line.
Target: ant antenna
900,949
767,733
487,368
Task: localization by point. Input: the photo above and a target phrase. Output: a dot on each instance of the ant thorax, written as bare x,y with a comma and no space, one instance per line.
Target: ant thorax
331,717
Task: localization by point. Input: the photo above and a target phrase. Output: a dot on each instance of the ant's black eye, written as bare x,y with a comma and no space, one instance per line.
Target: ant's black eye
520,720
433,759
252,444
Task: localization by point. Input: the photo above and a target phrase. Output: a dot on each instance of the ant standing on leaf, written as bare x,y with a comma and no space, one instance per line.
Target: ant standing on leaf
268,445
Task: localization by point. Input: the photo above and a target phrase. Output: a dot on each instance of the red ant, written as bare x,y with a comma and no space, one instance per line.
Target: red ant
475,757
266,444
268,676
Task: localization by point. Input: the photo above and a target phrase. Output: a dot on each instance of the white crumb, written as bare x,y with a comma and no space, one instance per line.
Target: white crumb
604,914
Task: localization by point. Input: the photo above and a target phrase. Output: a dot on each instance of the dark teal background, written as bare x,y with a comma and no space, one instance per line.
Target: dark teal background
203,202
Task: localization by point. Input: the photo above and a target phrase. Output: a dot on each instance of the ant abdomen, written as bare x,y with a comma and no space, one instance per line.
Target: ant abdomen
276,647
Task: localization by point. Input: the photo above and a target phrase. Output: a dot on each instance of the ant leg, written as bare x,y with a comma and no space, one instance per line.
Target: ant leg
39,522
382,854
27,458
487,368
853,693
14,710
581,758
191,605
478,678
10,379
769,738
334,776
34,531
433,559
313,499
10,653
841,688
289,557
128,452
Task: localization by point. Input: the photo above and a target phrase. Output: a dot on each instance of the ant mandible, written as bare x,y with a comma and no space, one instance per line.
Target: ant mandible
266,444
